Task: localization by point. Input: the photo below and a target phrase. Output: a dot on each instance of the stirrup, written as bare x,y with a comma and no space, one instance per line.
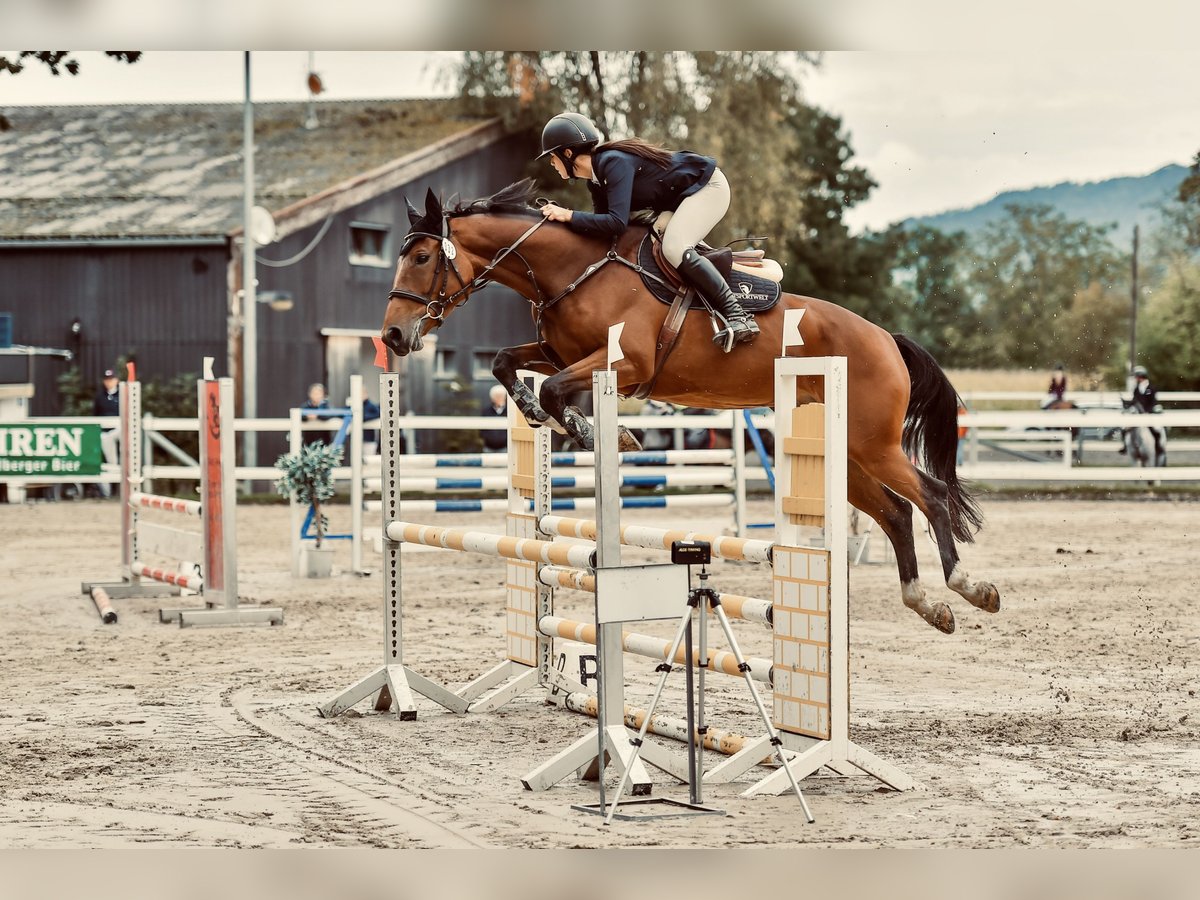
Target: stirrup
731,334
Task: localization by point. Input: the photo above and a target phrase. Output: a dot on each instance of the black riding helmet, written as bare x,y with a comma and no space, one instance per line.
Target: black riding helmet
568,131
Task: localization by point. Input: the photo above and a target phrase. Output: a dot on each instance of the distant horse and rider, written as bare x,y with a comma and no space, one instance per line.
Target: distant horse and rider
1143,445
578,285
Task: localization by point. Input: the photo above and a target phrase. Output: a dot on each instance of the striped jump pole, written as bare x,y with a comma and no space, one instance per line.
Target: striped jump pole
531,550
661,538
716,739
214,547
654,648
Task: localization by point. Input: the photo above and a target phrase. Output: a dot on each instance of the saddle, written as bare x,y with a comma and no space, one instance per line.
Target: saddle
757,293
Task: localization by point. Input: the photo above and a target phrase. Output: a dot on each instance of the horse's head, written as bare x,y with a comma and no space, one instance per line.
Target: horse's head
432,277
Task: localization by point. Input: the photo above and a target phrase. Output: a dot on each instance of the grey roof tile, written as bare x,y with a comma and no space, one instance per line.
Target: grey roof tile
176,170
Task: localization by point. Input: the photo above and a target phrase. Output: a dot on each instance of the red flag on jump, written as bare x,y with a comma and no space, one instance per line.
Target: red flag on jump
381,360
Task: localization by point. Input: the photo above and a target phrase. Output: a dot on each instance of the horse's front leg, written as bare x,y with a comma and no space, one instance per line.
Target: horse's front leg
505,367
559,389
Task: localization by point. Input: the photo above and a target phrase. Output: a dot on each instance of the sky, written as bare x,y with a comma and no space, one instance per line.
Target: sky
936,129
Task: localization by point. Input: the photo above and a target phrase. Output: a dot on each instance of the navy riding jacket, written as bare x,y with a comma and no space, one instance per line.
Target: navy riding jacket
1145,397
628,182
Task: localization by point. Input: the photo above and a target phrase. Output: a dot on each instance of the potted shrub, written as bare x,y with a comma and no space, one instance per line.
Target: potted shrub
308,479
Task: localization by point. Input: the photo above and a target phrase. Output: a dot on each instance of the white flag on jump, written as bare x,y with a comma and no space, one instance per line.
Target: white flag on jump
791,329
614,343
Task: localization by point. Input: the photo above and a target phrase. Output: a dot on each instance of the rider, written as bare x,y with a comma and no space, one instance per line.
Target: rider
1058,383
1145,398
631,174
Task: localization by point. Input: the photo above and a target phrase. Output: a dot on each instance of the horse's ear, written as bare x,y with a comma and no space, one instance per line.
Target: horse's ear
413,215
433,206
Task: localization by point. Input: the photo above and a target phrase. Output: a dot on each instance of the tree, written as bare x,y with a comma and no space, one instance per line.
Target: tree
826,260
735,106
1094,331
1187,214
57,61
1028,269
1169,329
930,284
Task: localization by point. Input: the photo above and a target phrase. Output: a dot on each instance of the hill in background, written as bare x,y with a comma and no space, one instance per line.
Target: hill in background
1126,201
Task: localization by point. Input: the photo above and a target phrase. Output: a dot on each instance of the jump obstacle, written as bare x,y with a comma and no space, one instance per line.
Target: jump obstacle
722,472
214,546
808,614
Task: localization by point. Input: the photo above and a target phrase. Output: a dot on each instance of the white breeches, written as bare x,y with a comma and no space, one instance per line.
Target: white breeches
696,216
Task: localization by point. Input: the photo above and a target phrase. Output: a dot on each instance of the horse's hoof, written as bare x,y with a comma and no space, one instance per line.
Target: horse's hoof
942,618
986,597
626,442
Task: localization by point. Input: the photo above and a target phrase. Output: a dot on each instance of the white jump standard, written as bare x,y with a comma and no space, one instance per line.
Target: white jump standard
215,545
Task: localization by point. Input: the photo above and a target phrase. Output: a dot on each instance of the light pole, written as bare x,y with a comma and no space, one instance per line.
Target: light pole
249,295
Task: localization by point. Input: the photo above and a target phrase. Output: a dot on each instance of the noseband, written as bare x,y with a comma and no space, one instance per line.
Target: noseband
436,309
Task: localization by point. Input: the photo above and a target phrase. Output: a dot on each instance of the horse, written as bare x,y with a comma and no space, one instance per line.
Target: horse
578,286
1144,445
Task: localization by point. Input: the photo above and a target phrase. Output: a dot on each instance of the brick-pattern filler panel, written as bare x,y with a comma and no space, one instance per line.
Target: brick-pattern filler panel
800,580
520,594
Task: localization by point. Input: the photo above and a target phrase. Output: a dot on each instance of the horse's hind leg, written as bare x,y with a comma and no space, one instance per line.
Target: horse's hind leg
981,594
932,497
894,515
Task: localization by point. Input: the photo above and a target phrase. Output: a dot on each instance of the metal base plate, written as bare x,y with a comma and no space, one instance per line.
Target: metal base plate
256,615
678,807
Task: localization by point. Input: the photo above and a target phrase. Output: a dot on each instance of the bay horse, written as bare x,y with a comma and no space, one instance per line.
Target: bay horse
898,396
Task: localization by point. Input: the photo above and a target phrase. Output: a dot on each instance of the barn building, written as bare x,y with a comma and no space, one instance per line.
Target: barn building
120,236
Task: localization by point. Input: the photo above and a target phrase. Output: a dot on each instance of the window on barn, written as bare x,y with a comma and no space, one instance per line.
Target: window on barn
369,245
445,364
481,363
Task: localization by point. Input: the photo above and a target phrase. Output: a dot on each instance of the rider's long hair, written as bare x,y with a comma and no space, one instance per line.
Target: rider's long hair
652,152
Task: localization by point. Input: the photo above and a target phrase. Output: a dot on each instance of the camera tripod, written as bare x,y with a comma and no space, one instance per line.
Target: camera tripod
704,599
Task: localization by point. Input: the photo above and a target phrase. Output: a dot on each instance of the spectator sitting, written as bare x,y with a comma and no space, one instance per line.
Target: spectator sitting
495,440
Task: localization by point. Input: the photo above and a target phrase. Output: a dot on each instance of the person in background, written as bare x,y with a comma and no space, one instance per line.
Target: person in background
1145,397
370,412
495,440
1058,384
316,400
107,403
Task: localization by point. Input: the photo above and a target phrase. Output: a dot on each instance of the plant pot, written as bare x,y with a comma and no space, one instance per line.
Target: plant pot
316,562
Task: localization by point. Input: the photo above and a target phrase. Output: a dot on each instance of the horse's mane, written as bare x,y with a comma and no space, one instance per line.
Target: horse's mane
512,200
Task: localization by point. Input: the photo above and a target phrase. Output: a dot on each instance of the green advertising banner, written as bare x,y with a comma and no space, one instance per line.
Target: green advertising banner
50,450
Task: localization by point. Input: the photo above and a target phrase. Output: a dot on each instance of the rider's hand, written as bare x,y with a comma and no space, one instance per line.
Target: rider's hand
556,213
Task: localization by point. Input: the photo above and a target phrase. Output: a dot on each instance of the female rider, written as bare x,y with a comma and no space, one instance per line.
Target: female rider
632,174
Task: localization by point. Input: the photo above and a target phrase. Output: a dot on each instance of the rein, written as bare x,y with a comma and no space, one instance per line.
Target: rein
436,309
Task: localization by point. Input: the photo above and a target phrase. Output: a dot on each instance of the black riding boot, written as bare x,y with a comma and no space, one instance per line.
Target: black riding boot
705,278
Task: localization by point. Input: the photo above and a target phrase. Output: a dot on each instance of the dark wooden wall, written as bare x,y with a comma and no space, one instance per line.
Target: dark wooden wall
167,304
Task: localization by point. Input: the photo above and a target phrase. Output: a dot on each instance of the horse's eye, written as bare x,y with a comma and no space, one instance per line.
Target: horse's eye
422,258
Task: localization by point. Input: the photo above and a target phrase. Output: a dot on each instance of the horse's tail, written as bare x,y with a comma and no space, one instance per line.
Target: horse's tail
931,429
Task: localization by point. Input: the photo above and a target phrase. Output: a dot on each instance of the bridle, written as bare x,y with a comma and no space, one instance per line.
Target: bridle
436,308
